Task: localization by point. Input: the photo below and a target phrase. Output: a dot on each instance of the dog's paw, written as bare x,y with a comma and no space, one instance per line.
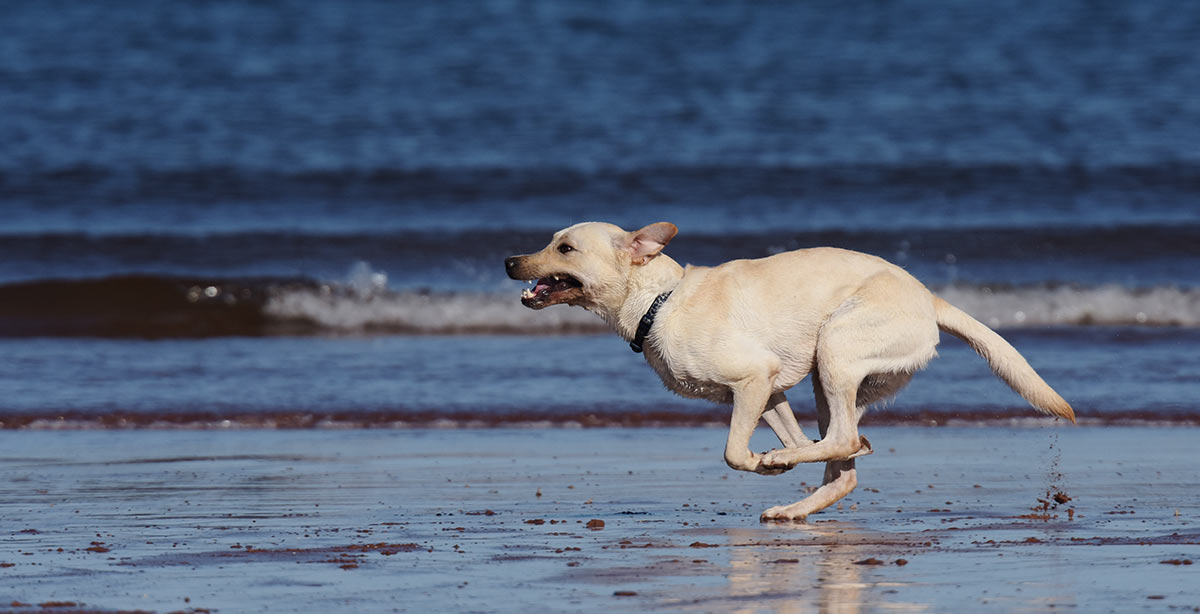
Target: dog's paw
782,513
777,460
764,470
756,465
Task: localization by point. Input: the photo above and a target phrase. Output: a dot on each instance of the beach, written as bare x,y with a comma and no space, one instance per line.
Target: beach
260,351
649,519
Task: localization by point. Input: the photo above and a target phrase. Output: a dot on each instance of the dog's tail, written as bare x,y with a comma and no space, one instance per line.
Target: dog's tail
1006,362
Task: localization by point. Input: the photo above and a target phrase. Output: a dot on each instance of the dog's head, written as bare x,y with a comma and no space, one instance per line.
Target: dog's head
587,264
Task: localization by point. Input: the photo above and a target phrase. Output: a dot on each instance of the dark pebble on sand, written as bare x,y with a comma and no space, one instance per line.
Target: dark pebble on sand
595,524
870,561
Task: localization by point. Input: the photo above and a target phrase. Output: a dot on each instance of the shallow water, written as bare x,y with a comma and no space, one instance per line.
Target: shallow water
1110,376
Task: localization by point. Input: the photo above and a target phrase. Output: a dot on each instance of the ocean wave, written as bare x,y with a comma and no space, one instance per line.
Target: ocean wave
149,306
1071,305
364,304
425,312
153,306
997,306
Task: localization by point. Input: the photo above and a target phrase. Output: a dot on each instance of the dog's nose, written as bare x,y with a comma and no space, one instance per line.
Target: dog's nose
510,263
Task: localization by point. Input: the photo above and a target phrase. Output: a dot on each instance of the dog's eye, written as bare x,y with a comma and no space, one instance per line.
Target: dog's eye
564,248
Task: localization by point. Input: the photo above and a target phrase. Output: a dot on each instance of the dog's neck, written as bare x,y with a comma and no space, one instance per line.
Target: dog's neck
659,275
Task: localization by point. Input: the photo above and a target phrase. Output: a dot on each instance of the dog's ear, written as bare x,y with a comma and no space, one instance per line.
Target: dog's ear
646,243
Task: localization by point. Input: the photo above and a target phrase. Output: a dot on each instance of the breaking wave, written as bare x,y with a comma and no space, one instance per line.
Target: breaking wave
155,306
1069,305
425,313
999,307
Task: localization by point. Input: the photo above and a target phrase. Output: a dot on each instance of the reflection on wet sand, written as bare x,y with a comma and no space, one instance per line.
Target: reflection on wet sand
820,567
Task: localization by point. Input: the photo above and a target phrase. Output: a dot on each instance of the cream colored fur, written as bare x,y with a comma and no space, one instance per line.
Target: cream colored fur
746,331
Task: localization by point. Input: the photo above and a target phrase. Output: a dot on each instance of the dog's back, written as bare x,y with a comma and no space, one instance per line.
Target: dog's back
776,304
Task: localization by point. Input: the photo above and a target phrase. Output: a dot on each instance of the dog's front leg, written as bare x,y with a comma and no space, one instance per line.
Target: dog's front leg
781,431
749,403
782,420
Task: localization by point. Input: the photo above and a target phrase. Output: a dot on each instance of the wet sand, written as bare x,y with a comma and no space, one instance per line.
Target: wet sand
568,520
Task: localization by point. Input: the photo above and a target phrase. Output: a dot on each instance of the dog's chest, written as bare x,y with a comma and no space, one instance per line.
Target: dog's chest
685,384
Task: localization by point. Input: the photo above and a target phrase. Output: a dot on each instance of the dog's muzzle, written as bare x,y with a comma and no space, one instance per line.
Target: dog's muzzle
547,289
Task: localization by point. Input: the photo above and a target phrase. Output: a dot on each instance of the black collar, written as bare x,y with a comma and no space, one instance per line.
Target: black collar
647,322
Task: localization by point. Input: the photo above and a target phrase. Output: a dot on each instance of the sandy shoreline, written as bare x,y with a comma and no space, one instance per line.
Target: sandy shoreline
452,520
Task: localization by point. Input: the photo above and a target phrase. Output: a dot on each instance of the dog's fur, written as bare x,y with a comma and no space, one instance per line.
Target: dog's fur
746,331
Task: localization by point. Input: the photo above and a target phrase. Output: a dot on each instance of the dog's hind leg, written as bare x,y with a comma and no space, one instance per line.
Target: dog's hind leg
840,478
839,425
880,335
782,420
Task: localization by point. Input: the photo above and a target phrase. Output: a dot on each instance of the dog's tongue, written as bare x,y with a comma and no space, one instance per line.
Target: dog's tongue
543,285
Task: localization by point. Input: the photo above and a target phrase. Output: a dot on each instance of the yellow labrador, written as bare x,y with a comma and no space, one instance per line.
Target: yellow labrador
746,331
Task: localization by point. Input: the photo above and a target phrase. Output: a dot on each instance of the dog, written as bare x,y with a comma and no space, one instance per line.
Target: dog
746,331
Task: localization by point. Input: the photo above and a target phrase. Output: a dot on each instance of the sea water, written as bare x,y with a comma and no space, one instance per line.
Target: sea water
295,214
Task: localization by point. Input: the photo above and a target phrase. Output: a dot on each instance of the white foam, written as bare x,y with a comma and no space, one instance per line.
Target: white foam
429,313
1064,305
362,308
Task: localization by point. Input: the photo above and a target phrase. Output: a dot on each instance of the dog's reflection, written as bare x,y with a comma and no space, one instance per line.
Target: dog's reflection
808,568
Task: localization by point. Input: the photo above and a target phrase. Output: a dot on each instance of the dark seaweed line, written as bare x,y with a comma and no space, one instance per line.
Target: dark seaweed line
405,419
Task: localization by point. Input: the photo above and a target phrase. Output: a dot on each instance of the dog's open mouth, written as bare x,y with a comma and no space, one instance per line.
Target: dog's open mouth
551,290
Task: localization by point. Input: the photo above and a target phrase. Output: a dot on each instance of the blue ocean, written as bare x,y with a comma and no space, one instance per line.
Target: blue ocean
295,215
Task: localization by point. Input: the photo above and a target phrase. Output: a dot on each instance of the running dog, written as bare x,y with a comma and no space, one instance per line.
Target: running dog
746,331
